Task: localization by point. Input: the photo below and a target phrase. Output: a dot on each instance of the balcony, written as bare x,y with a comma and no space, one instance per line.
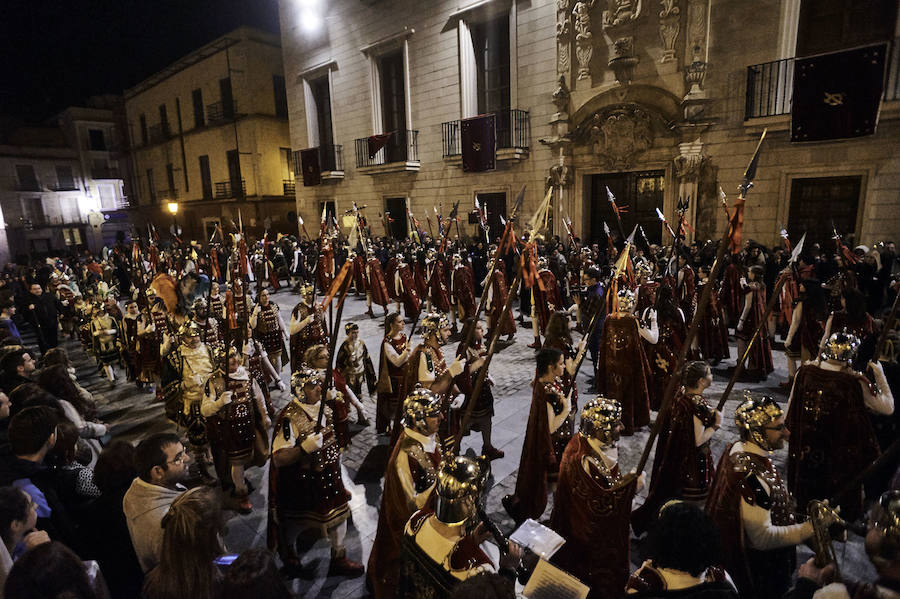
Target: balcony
159,133
513,133
105,173
166,195
331,163
63,186
31,185
224,189
221,112
770,85
289,186
399,153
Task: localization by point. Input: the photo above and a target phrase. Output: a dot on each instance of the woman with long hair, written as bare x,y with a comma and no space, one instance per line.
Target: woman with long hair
759,362
803,337
192,539
662,355
683,466
712,330
57,380
559,336
391,369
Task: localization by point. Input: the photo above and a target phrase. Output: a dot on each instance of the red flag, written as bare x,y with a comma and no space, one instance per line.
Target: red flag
737,226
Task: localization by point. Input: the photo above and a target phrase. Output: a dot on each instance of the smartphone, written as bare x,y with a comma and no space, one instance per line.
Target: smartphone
225,560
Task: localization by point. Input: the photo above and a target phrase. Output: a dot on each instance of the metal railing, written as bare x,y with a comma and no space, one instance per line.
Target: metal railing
105,173
224,189
770,85
513,131
331,158
65,186
28,185
158,133
220,112
401,146
289,186
167,195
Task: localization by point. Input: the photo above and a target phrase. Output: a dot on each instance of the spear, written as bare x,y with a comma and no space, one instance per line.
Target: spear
329,371
739,368
615,208
698,314
888,326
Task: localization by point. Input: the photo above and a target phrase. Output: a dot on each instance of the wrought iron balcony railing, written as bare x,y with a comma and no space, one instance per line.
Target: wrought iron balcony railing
400,146
221,112
513,131
224,189
770,85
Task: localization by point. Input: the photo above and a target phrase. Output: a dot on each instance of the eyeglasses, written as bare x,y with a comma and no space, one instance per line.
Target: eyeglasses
179,459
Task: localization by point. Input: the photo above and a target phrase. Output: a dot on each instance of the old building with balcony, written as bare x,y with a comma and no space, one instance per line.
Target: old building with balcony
657,101
208,139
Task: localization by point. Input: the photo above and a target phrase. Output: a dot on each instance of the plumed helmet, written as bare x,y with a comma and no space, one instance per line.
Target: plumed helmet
350,327
885,519
754,415
542,263
601,419
841,347
457,259
420,404
189,329
306,290
626,299
432,323
351,254
643,269
199,304
459,487
301,378
431,254
400,258
586,252
370,253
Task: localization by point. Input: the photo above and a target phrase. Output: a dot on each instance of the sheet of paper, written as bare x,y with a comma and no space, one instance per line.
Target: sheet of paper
549,582
537,538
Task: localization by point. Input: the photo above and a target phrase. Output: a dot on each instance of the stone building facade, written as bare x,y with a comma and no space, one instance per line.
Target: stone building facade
659,101
208,138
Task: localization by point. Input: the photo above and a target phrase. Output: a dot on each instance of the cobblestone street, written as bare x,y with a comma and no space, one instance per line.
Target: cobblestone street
133,414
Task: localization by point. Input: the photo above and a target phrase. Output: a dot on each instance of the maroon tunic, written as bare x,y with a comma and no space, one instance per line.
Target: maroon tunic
592,512
646,296
730,295
390,269
408,293
390,381
359,274
376,283
623,371
759,361
546,300
808,335
681,470
663,356
500,291
687,296
541,451
832,439
712,332
439,291
312,334
463,289
385,560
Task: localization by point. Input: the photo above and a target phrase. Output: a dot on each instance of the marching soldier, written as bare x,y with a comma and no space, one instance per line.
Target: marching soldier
107,335
306,492
354,363
210,332
269,328
307,326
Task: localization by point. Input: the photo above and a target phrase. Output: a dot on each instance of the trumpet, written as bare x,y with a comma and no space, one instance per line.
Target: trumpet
823,517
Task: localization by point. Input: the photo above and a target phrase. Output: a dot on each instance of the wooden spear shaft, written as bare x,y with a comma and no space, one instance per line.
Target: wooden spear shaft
739,368
682,355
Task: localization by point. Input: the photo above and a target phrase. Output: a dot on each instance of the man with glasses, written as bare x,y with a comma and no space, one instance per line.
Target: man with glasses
752,507
162,466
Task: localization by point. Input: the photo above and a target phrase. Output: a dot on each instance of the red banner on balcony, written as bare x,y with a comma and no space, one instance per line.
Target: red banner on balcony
312,170
479,143
376,142
838,95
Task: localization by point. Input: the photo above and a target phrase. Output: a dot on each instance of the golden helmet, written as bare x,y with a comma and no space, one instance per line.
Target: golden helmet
432,323
189,329
301,378
627,299
460,483
754,415
885,518
306,291
841,347
420,404
601,420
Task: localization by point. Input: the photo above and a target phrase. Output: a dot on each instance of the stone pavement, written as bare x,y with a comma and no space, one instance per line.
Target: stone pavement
133,415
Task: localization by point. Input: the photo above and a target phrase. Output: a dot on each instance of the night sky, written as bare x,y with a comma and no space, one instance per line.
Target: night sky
56,53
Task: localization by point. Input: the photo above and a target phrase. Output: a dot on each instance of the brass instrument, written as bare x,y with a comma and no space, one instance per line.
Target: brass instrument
822,542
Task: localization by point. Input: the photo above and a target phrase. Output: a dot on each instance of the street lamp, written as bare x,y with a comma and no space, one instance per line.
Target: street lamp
173,210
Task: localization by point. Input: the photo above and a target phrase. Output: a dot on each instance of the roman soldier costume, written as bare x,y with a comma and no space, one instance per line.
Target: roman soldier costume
307,327
622,368
712,331
682,469
462,285
354,363
269,329
546,437
730,294
436,280
306,492
438,549
496,301
547,297
106,332
391,374
592,503
832,438
210,333
409,480
753,509
376,289
405,288
759,361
